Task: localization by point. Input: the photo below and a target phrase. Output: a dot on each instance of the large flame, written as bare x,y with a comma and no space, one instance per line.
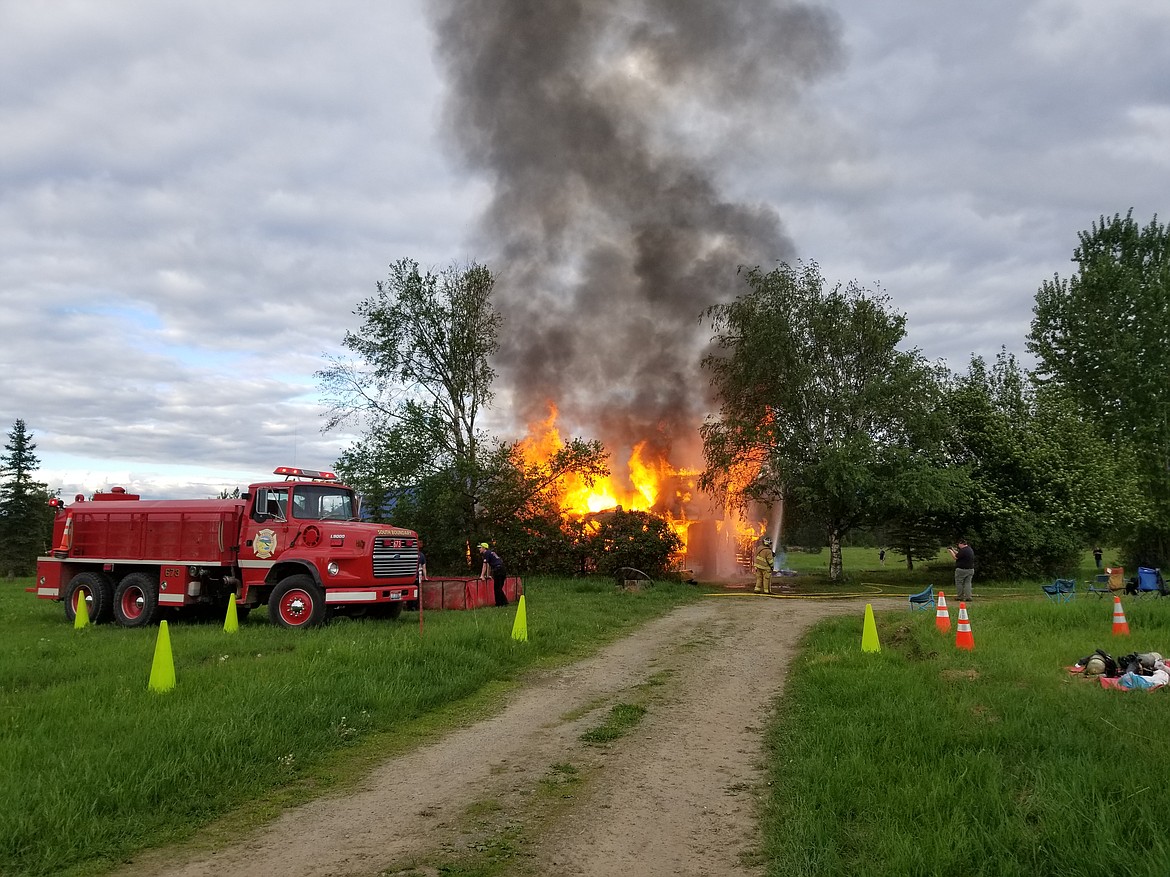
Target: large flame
652,483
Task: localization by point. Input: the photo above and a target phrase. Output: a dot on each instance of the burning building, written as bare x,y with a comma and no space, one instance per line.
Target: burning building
713,542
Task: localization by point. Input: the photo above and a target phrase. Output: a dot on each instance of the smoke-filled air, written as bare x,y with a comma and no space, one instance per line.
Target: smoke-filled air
599,125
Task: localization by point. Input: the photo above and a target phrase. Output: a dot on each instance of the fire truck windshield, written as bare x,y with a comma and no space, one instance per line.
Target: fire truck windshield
315,502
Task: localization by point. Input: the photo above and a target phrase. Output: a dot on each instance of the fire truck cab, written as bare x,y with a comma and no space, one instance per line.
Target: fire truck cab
296,545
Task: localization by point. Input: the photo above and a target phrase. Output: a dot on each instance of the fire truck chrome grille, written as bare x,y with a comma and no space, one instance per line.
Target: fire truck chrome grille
394,562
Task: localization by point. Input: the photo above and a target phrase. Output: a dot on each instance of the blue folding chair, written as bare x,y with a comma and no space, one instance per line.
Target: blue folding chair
1061,591
922,599
1149,581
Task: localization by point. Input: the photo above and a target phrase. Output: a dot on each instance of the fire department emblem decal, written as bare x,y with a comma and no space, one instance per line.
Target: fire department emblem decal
265,543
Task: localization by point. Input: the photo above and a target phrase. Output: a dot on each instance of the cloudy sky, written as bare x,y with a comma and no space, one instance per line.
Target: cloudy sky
194,197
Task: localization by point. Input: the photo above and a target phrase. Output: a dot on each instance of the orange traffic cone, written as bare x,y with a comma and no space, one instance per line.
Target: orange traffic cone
942,617
964,639
1120,625
62,549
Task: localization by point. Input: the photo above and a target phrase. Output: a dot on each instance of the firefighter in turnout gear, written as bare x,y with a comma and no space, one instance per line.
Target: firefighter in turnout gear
762,565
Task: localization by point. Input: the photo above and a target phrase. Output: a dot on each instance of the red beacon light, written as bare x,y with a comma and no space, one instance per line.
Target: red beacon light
290,472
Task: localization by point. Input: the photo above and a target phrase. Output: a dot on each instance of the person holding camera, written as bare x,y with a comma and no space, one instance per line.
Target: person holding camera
964,570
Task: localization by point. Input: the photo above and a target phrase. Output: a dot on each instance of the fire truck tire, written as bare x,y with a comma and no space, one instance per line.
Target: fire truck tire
297,602
98,592
136,600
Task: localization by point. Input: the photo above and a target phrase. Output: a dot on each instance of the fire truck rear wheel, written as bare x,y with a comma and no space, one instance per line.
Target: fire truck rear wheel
297,602
136,600
98,592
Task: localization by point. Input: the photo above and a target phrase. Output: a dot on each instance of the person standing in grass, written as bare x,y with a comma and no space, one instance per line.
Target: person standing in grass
762,565
1097,556
964,570
493,564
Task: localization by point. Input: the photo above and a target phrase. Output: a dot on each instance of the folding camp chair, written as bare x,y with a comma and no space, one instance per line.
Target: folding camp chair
922,599
1149,581
1101,586
1061,591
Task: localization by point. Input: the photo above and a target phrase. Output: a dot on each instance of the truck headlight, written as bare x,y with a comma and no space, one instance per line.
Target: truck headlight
333,569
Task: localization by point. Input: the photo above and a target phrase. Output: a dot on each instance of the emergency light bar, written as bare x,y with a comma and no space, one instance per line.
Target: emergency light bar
292,472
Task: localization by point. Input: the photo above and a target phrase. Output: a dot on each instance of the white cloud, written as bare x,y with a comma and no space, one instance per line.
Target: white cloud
193,198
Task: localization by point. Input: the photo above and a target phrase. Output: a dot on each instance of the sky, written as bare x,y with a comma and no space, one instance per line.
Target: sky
195,197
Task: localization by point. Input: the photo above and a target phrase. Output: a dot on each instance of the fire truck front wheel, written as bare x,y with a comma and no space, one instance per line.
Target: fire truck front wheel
96,589
136,600
297,602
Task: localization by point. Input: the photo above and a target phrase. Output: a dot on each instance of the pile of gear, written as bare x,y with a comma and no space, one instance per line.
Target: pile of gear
1137,670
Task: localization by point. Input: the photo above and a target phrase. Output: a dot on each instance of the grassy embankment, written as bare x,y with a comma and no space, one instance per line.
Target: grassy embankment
96,766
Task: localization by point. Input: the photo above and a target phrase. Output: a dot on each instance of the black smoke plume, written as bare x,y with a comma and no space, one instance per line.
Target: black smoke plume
599,124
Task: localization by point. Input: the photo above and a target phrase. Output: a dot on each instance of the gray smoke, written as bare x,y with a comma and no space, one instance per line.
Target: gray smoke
594,121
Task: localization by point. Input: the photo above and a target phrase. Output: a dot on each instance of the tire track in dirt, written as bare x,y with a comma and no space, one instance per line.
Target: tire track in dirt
676,796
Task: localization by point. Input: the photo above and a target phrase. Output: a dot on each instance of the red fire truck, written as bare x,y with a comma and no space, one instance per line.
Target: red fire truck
296,545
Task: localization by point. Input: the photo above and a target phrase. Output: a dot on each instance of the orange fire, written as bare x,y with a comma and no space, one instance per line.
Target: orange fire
650,480
652,484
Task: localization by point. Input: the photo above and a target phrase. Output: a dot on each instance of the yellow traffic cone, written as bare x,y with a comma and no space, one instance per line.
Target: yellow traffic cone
162,669
81,619
232,623
520,625
869,637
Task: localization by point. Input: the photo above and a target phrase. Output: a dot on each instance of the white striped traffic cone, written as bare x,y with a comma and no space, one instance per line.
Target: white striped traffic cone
964,639
1120,625
942,617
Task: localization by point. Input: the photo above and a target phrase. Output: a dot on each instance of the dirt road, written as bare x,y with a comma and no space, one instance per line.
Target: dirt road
676,795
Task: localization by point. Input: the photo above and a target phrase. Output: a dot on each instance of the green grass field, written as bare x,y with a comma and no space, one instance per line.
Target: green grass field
96,766
920,759
863,568
929,760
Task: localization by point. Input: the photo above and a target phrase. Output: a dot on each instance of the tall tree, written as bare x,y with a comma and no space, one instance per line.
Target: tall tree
523,505
1103,335
1045,483
25,516
421,378
818,406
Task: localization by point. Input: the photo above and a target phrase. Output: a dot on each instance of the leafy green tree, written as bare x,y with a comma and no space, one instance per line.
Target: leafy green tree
421,378
641,540
419,382
818,405
521,510
1044,482
26,520
1103,336
919,507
